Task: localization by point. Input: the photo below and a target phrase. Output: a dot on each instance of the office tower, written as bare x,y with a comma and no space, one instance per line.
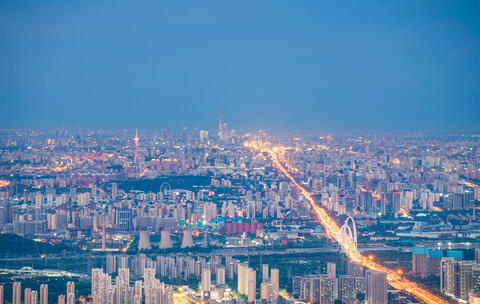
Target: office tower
252,285
43,294
187,241
377,287
61,299
17,293
165,241
206,281
2,294
144,242
70,292
220,277
265,272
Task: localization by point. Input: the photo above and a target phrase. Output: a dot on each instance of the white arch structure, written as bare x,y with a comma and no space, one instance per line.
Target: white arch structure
26,269
348,232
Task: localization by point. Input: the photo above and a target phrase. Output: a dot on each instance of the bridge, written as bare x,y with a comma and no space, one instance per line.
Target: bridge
29,271
346,237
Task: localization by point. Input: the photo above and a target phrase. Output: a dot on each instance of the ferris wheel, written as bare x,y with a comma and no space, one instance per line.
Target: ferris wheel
165,189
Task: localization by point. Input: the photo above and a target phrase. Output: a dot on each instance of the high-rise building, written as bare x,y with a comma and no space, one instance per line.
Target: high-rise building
61,299
2,294
220,276
332,273
419,261
114,191
265,276
241,278
252,285
34,297
16,293
275,281
377,287
27,296
206,281
347,289
70,292
43,294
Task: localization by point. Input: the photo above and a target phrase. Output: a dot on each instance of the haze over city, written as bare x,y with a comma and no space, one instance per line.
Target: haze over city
239,152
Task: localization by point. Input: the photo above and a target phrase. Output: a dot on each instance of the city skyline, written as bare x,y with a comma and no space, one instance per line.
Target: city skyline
242,152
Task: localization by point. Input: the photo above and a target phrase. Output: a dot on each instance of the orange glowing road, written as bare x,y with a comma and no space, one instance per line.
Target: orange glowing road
4,183
396,280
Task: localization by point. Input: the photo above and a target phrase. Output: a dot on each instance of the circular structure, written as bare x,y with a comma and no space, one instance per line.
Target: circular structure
165,188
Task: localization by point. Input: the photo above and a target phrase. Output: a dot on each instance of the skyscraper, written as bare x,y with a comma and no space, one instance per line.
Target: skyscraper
252,285
206,281
70,292
17,293
43,294
220,277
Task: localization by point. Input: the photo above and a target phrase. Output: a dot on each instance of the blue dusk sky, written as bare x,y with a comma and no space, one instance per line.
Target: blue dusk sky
278,65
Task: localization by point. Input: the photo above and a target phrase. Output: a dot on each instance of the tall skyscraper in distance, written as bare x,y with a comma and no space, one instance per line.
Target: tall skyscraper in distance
220,124
222,128
136,140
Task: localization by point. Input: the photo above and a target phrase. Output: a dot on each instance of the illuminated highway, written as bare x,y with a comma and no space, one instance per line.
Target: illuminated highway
395,279
4,183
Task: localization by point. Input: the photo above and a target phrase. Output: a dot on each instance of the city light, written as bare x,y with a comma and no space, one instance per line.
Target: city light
333,231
